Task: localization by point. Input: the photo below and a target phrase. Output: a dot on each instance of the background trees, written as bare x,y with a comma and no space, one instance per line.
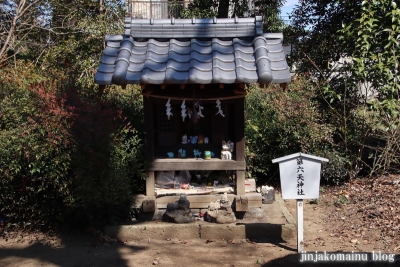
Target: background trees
67,151
350,50
269,9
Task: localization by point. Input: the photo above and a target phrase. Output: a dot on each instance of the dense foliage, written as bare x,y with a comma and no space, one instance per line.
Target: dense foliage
66,156
35,149
281,122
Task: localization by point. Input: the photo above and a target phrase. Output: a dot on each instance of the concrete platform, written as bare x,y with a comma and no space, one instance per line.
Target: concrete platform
270,221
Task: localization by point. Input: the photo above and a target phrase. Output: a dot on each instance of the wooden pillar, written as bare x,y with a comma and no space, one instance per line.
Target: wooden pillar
150,184
148,126
150,204
240,183
241,200
239,144
239,129
149,144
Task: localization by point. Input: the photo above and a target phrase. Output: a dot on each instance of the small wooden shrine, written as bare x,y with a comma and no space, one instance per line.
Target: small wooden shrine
193,74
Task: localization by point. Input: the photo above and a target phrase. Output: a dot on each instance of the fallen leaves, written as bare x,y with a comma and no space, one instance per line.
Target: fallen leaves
366,210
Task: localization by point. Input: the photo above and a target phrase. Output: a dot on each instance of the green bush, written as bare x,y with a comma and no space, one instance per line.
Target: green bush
108,162
67,155
35,152
281,122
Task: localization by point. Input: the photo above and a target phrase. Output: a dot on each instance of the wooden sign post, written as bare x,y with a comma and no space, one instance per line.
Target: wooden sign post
300,228
300,178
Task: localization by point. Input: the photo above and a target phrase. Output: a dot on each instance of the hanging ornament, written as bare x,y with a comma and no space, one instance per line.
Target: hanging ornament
197,105
219,108
168,105
189,113
183,110
194,115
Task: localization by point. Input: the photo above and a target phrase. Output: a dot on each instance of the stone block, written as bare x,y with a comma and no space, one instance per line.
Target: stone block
222,231
149,204
241,203
157,232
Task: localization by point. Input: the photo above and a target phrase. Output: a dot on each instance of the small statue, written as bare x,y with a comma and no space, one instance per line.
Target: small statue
206,140
221,211
179,211
184,139
181,153
170,154
231,145
227,149
201,139
193,139
196,153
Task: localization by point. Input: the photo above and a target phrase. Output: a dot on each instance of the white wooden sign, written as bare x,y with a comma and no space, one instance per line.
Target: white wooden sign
300,176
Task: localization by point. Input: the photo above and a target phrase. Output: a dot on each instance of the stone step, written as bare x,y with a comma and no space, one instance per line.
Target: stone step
163,231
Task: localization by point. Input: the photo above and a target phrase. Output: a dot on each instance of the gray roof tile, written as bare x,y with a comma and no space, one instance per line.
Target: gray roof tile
193,51
182,58
133,77
107,60
103,78
136,67
200,76
154,77
179,77
246,76
178,66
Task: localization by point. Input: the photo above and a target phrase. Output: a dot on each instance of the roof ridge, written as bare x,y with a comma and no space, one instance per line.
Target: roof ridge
193,28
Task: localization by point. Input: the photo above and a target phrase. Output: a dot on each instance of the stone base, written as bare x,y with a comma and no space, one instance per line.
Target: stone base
149,204
261,231
241,203
266,222
202,201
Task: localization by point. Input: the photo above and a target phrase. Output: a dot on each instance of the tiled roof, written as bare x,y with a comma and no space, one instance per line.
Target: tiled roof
203,51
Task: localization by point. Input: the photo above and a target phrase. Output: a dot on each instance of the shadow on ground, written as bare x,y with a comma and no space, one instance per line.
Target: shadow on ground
66,249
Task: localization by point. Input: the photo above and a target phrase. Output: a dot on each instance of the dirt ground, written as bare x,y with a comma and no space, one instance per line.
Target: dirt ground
335,224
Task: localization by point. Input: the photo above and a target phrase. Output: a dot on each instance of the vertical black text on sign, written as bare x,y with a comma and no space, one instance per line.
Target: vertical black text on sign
300,177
